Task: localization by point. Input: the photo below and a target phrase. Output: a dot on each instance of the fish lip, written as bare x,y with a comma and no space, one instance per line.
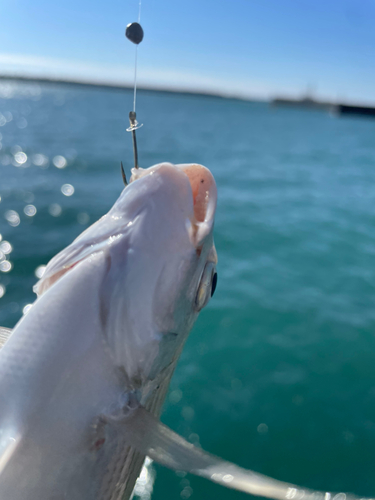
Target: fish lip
202,218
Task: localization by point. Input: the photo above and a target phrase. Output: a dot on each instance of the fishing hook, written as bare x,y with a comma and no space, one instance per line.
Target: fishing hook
123,175
133,127
134,33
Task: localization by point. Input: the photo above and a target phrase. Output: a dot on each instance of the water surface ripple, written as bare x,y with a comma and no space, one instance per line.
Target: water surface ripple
279,374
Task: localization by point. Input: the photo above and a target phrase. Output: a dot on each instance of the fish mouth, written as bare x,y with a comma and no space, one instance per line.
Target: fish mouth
203,188
187,193
203,191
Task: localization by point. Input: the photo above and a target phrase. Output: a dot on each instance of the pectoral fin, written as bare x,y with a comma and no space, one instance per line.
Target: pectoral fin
5,333
149,436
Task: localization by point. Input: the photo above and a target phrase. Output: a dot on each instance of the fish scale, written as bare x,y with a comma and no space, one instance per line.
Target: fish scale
126,463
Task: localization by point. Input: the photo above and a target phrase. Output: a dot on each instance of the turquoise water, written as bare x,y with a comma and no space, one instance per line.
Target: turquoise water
279,374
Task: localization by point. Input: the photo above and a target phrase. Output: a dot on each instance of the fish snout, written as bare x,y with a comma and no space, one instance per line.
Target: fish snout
204,190
195,188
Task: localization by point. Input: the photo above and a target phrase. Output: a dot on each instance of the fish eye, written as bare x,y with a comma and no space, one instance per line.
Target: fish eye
214,283
207,286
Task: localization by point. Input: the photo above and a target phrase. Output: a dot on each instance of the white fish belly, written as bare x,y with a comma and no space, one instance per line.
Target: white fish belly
55,378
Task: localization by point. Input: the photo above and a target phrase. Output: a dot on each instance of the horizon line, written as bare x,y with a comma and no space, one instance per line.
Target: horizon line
105,84
82,82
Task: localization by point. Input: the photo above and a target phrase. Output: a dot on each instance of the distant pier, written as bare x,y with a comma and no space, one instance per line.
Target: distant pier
345,109
335,108
306,102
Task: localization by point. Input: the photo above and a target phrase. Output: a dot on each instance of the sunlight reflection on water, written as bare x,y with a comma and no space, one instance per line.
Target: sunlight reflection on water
282,359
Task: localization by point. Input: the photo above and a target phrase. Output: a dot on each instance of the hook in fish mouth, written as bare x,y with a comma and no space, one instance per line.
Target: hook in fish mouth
134,125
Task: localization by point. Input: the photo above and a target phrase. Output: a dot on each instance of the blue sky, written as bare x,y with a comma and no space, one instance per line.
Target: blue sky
258,48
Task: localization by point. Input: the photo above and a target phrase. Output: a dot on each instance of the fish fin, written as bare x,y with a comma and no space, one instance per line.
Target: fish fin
8,446
5,333
94,239
149,436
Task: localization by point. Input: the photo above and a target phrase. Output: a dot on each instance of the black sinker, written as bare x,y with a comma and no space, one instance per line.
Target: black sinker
134,33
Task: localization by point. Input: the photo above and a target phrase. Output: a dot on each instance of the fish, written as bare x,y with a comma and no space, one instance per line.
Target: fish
84,374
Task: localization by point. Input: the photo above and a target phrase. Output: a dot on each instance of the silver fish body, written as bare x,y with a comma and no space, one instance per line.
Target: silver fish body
114,310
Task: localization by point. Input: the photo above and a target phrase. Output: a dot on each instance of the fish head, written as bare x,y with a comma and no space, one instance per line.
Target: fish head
180,222
178,266
159,266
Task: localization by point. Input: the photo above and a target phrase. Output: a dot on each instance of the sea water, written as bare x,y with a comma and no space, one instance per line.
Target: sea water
278,375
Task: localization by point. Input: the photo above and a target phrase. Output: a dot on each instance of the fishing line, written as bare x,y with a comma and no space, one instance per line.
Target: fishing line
135,79
134,33
136,60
